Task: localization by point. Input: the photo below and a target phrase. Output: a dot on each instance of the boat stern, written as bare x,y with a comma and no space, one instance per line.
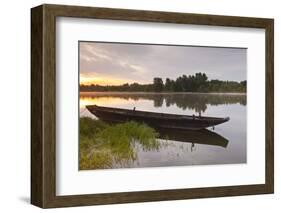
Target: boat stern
91,108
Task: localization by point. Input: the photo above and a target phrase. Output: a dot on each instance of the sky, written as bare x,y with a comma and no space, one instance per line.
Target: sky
118,63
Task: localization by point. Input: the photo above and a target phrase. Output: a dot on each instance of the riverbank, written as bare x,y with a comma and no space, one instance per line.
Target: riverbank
103,145
95,93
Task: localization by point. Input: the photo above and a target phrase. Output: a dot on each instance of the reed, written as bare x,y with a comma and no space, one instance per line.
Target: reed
105,145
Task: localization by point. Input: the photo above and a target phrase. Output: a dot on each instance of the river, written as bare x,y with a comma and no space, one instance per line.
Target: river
226,144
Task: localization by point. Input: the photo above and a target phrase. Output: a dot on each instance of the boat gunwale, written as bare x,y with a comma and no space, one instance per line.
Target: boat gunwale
155,114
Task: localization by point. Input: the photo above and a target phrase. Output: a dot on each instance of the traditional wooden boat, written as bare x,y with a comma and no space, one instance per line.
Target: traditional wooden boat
162,120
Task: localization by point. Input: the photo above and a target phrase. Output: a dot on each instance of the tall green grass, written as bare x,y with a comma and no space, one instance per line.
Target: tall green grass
104,145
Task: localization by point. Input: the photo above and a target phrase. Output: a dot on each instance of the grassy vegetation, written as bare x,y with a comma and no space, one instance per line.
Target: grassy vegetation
102,145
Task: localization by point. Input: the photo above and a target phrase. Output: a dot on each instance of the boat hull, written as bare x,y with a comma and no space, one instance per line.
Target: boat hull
160,120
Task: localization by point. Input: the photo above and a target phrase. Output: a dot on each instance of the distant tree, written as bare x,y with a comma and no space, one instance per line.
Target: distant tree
158,85
169,84
243,83
185,83
192,83
179,85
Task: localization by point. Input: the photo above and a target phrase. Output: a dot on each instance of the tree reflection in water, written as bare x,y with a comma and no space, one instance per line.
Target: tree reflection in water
192,101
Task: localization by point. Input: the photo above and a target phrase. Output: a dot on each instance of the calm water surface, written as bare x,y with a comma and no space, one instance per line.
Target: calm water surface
226,144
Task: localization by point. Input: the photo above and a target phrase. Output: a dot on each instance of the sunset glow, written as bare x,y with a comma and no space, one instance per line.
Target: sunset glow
101,101
101,81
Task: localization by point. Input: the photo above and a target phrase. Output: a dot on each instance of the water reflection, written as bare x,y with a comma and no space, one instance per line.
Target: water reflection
196,102
203,136
226,144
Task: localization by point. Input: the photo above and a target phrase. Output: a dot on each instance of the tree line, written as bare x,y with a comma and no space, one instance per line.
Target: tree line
192,83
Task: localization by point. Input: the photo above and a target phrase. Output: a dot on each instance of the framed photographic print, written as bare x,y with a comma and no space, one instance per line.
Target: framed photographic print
136,106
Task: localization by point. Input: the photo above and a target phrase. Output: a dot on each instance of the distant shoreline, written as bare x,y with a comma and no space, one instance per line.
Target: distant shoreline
165,93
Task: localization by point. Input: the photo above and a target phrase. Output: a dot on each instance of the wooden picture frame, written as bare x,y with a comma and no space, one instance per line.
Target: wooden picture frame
43,105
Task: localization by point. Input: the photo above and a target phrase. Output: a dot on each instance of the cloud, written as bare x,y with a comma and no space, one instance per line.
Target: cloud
140,63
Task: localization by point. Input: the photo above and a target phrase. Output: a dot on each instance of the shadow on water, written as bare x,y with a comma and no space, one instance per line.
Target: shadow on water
204,136
196,102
